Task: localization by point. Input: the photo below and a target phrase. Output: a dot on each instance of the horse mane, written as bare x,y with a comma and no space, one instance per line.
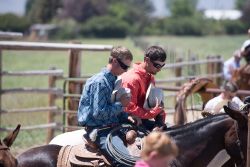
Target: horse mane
179,131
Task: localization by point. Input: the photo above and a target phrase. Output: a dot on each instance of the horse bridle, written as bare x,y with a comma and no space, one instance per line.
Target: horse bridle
4,147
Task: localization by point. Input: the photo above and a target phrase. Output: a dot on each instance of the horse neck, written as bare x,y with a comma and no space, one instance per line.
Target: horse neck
202,140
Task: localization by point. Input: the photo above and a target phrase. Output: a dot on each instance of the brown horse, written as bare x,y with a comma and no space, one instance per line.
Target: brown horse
198,142
241,77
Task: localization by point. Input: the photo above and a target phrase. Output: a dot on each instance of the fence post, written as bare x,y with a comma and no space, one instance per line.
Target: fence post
219,68
52,99
0,84
178,71
209,65
74,88
248,141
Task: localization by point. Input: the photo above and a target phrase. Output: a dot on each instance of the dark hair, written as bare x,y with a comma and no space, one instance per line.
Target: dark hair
230,86
155,53
247,57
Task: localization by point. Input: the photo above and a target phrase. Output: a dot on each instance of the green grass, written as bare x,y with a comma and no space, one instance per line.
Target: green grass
91,63
203,46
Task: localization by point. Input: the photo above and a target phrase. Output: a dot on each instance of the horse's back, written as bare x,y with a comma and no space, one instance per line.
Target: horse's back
39,156
69,138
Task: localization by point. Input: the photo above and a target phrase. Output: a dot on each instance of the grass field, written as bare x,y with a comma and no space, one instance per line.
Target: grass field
92,62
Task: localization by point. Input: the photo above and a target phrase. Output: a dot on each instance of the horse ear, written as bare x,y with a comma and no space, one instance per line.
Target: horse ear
236,115
8,140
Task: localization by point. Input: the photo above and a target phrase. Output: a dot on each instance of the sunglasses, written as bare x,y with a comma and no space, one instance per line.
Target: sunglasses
158,66
122,65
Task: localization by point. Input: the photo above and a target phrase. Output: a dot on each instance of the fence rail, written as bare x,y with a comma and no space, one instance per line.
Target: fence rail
10,35
15,45
34,127
54,109
56,91
188,63
57,73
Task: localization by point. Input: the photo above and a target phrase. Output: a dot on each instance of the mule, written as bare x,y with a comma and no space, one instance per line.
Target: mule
198,142
6,158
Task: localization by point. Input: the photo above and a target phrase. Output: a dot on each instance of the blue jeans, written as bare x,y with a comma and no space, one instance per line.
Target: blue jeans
101,138
150,124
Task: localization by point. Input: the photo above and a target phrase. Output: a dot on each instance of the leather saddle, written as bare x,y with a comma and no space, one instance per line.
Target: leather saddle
80,156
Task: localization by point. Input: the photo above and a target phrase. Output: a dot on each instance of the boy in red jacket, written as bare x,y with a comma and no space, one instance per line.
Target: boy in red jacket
138,80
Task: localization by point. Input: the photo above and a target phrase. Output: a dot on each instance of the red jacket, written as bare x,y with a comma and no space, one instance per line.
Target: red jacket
138,80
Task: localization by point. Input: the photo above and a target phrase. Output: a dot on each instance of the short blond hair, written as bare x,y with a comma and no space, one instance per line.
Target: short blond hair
159,142
120,52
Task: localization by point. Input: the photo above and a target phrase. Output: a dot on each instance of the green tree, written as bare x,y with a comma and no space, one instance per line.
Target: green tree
42,11
246,13
135,13
105,27
11,22
82,10
240,4
180,8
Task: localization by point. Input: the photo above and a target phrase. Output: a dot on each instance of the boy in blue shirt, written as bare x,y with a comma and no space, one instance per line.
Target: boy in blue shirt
96,112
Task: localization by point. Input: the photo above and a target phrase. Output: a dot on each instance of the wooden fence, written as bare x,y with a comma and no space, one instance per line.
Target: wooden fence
53,75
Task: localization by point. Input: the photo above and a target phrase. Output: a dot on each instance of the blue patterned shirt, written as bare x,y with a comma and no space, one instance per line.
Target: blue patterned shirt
95,107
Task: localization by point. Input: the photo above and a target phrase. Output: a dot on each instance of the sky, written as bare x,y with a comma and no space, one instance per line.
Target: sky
12,6
18,6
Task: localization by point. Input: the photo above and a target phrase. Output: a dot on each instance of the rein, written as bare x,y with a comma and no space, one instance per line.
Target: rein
238,143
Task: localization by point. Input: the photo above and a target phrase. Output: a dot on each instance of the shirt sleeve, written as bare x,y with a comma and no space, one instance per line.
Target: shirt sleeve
136,110
103,109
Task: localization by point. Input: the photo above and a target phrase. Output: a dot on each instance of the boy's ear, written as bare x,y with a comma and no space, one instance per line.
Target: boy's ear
153,154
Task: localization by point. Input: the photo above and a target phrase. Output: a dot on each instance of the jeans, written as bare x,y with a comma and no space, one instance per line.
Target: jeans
150,124
101,138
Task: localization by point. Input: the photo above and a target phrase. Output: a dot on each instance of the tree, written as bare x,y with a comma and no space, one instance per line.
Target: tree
82,10
42,11
246,13
135,13
182,8
11,22
240,4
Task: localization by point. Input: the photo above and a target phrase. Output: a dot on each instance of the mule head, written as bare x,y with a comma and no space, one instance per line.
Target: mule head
236,137
6,158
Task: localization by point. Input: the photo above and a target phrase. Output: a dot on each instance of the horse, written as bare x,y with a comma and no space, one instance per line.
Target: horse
241,77
6,158
198,142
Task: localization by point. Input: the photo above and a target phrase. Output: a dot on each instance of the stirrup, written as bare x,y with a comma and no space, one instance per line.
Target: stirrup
90,144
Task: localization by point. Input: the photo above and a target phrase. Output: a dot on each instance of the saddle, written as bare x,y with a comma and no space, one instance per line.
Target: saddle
125,150
80,156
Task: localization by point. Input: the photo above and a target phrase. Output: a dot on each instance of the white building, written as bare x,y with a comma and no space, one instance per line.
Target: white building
222,14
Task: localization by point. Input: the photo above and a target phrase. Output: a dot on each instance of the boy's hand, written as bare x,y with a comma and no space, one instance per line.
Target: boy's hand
135,120
125,99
